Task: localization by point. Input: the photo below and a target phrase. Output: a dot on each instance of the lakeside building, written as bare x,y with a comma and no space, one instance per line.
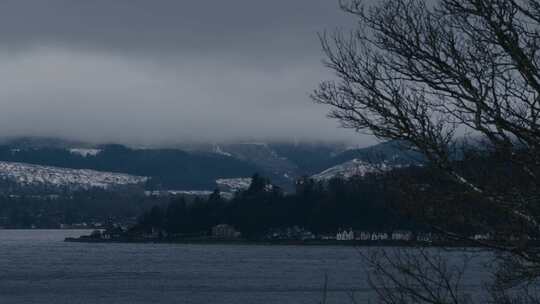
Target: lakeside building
402,235
113,232
362,235
350,235
425,237
290,233
345,235
379,236
225,231
328,237
482,237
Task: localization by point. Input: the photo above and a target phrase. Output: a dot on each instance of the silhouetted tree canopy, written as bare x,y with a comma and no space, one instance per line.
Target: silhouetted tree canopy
425,72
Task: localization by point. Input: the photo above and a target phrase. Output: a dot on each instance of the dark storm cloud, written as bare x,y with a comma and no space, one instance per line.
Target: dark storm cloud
167,70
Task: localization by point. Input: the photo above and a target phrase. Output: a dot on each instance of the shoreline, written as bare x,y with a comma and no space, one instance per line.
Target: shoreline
272,243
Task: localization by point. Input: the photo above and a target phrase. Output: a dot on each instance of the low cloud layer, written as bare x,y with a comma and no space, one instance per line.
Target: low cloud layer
151,72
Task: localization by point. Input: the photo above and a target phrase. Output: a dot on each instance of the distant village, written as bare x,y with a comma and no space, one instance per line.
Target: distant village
295,234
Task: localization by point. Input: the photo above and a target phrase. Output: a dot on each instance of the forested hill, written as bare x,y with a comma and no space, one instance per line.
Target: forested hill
168,168
198,168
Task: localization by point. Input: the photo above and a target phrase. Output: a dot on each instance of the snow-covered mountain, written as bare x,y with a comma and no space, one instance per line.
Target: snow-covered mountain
56,177
196,167
349,169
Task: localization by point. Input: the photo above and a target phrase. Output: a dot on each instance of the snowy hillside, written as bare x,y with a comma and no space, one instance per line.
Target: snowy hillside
199,193
349,169
233,184
85,152
263,156
34,175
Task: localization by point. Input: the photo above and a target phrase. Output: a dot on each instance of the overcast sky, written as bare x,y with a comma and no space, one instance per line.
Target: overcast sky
154,71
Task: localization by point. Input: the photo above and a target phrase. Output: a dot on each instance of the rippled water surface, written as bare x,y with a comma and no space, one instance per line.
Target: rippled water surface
36,266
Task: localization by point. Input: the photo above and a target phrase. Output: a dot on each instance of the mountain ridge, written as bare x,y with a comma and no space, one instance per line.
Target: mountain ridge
198,169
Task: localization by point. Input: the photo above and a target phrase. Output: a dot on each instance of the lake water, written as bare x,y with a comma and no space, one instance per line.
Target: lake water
36,266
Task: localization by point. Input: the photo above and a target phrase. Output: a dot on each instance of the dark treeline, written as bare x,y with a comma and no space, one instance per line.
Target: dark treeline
358,203
90,206
411,197
433,198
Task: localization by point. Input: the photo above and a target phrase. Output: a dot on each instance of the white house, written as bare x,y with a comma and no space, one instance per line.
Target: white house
345,235
224,231
402,235
379,236
482,237
362,235
424,237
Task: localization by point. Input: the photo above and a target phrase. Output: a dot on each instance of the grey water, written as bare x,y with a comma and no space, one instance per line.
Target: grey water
36,266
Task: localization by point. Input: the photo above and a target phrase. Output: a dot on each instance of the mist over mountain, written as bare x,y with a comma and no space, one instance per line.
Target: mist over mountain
199,166
145,73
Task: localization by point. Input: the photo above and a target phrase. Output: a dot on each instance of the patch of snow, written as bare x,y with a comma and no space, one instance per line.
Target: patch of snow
85,152
200,193
349,169
234,184
36,175
263,144
178,192
218,150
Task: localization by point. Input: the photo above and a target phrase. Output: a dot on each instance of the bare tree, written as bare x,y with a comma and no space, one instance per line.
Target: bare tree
425,73
422,275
